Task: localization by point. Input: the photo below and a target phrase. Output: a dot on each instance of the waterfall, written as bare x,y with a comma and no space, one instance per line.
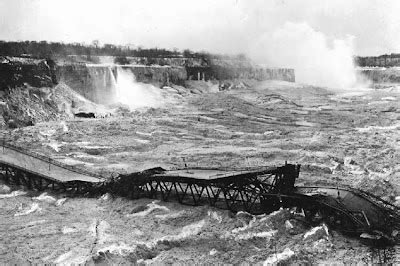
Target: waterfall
112,78
135,94
108,84
113,84
100,84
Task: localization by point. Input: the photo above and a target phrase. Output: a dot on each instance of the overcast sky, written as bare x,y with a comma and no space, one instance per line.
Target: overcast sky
229,26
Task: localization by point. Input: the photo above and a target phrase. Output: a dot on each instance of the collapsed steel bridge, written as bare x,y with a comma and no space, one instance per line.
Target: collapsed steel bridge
264,190
236,190
257,190
19,166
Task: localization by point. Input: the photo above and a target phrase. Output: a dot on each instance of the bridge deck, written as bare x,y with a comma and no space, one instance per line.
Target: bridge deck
40,166
209,174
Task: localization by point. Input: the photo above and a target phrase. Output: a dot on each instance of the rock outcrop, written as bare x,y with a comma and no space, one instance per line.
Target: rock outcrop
15,72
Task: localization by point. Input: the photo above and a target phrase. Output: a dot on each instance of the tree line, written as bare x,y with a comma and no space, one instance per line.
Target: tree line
44,49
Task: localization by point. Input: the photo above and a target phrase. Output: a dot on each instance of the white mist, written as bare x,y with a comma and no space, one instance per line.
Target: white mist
317,59
135,94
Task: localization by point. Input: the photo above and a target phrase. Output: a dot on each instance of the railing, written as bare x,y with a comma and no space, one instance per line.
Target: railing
49,160
227,171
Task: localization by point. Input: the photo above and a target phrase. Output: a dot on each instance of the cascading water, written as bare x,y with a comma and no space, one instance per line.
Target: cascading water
135,94
113,84
100,85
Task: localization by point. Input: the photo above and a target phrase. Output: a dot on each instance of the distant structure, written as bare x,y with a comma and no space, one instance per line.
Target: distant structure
392,60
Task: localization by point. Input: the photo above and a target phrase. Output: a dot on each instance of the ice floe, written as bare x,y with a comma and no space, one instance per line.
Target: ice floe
317,232
45,197
71,258
34,207
13,194
60,202
278,257
214,215
150,208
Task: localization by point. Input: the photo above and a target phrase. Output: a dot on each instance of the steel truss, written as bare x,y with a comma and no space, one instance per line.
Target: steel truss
15,175
250,192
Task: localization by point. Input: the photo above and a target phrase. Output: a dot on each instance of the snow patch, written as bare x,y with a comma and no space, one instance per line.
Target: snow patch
60,202
121,249
64,126
144,134
93,228
187,231
275,213
371,128
251,235
245,227
214,215
322,246
68,230
305,123
36,222
48,133
323,229
71,258
284,255
239,234
369,236
54,145
13,194
45,197
170,215
388,98
106,197
142,141
213,252
101,231
34,207
288,225
150,207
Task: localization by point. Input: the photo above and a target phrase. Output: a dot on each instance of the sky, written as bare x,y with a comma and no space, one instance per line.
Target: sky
221,26
295,33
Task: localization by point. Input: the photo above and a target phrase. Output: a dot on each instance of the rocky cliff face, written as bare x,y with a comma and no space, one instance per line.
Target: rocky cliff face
381,75
92,82
25,86
226,73
20,77
158,75
15,72
378,61
97,82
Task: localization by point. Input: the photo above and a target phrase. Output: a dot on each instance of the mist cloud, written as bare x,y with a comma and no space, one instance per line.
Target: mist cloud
316,60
